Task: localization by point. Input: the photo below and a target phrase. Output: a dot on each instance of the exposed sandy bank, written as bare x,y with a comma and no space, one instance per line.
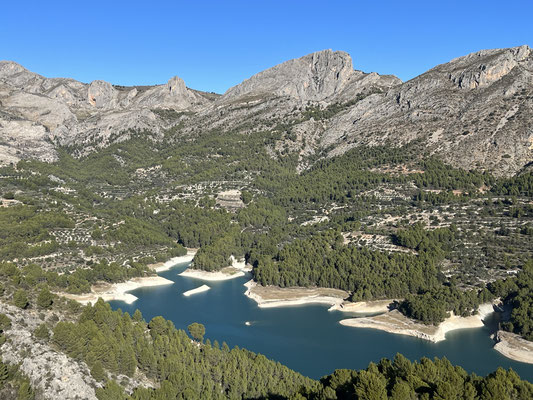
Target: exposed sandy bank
160,267
200,289
117,291
514,347
395,322
363,307
273,296
236,270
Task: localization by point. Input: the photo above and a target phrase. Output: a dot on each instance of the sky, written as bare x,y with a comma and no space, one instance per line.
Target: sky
213,45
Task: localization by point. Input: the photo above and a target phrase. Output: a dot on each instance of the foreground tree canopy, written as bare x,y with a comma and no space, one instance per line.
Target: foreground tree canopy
112,342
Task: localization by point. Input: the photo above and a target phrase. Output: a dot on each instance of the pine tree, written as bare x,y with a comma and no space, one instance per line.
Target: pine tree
97,371
137,316
5,323
25,392
20,299
197,331
127,361
4,374
42,332
371,386
45,299
111,391
402,391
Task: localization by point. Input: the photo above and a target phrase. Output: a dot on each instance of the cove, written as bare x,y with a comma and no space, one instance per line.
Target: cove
306,338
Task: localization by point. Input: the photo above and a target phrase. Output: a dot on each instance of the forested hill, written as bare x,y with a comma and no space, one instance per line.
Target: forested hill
517,294
379,222
433,234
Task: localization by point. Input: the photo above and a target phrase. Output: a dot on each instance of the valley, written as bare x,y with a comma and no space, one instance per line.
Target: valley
315,180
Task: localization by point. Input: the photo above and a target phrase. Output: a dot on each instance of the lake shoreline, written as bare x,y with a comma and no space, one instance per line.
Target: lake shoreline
273,296
237,269
165,266
231,317
508,344
364,307
119,291
513,346
200,289
397,323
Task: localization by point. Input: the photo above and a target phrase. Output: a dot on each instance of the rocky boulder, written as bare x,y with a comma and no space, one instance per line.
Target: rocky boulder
101,94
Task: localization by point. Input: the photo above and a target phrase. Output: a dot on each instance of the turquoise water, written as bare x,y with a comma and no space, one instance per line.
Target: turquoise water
307,338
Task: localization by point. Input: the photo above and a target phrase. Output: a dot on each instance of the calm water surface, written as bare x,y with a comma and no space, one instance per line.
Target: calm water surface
307,338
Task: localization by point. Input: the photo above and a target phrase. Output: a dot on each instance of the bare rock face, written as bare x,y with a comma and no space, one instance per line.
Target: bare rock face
19,76
101,94
173,95
63,93
176,87
46,111
10,68
485,67
315,77
23,138
104,129
127,100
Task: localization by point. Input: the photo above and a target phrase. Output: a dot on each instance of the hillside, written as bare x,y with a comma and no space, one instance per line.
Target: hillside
473,112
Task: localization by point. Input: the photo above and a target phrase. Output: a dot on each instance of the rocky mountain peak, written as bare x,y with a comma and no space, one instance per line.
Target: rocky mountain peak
101,94
314,77
8,68
15,75
35,109
473,111
176,86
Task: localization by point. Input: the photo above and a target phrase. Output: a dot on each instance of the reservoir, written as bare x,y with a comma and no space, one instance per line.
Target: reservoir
308,338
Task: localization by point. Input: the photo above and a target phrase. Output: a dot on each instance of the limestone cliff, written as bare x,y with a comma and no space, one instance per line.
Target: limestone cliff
314,77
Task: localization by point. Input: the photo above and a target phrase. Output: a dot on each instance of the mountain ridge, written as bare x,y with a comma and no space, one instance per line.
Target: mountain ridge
472,111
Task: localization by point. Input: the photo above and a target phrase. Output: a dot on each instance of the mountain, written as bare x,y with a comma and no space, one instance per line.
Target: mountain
321,76
36,111
473,111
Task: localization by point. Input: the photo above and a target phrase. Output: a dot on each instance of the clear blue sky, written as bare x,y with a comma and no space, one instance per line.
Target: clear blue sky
214,45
